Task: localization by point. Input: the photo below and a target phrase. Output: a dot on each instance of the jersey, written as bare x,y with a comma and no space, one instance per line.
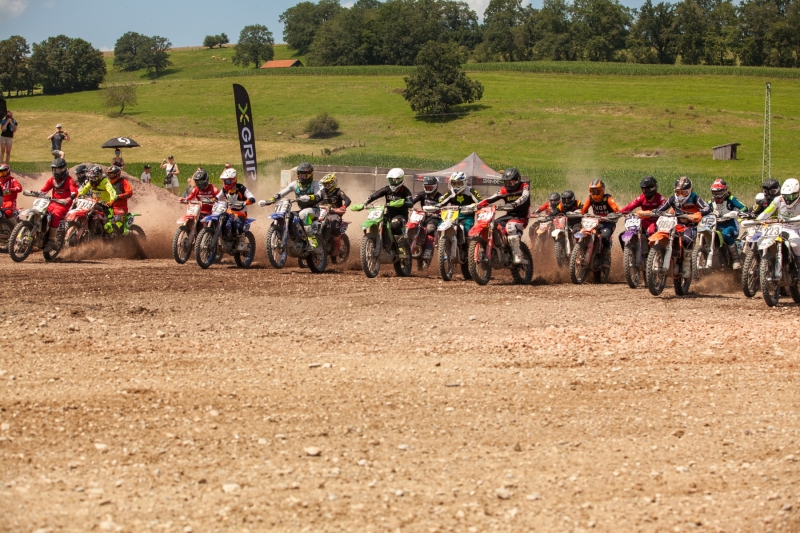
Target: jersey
104,191
11,188
209,193
335,198
784,210
642,202
311,190
124,191
603,208
728,205
519,198
427,199
401,193
692,204
239,193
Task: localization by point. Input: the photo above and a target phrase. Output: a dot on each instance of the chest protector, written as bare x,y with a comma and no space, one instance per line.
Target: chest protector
601,208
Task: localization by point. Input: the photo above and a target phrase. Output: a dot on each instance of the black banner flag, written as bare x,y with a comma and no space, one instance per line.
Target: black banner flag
247,141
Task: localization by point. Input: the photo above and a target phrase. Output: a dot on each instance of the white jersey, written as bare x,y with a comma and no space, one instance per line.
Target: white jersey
784,210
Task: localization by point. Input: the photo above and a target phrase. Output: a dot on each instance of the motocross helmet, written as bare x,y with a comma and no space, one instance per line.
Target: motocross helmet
430,184
719,190
228,179
554,199
597,189
761,199
511,177
568,200
80,171
114,173
95,175
305,173
395,177
458,182
200,178
790,191
328,182
60,172
649,186
771,188
4,171
682,190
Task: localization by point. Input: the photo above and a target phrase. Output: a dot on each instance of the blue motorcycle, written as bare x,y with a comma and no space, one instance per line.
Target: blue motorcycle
288,237
219,237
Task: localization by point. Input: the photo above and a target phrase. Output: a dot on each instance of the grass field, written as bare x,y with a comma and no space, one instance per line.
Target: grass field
559,128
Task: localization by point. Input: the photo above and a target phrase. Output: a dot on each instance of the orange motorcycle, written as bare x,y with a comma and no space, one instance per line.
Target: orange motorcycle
666,257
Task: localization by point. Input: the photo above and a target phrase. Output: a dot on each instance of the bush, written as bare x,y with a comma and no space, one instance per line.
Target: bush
322,125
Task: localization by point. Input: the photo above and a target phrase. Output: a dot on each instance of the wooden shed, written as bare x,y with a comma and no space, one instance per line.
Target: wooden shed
725,152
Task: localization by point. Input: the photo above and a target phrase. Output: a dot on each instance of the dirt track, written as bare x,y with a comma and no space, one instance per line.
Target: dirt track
140,395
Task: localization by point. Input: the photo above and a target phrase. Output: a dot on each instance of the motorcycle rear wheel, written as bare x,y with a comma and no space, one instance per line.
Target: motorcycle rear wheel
577,270
317,260
402,267
750,273
446,265
181,247
561,252
699,261
50,255
205,251
18,249
656,280
344,251
276,256
479,268
245,260
632,272
370,264
682,285
769,289
6,227
465,271
794,291
523,274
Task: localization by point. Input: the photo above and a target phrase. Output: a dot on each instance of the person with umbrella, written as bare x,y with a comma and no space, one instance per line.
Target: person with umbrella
117,161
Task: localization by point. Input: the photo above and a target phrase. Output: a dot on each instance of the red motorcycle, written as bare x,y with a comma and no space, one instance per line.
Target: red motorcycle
186,234
84,221
488,249
416,236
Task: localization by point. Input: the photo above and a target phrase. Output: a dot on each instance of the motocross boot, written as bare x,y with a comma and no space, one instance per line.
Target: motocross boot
51,240
513,243
734,251
686,266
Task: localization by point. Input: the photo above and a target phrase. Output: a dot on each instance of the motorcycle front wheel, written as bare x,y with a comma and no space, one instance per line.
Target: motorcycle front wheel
370,262
276,253
656,275
446,266
769,287
344,251
750,273
50,255
20,244
632,272
681,284
479,267
6,227
699,260
205,250
561,252
317,260
181,245
577,270
523,274
245,259
402,267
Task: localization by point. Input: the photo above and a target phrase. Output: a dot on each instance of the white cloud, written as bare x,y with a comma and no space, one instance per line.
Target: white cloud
479,6
12,8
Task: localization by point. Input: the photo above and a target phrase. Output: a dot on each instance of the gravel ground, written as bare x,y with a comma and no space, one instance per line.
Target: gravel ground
143,395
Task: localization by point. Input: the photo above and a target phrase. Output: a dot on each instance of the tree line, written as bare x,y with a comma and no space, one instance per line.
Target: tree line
712,32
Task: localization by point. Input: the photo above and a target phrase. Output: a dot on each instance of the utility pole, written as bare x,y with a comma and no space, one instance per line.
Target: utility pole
766,160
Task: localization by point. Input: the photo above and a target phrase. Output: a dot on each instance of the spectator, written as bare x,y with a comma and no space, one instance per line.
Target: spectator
118,161
227,166
56,138
171,180
7,128
145,178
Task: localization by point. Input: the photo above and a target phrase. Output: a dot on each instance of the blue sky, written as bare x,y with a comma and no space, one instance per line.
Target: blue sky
183,22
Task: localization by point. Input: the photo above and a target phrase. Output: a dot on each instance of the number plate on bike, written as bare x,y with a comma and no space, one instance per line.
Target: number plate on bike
195,209
417,216
84,204
773,230
323,212
666,223
282,207
485,216
219,208
375,214
633,222
40,204
708,222
449,215
589,223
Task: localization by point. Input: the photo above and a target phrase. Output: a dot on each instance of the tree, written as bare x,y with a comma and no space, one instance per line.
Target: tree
350,38
129,51
722,30
653,38
118,95
691,28
218,41
156,57
302,21
600,28
503,30
254,46
756,17
64,65
461,24
439,83
404,26
552,32
14,70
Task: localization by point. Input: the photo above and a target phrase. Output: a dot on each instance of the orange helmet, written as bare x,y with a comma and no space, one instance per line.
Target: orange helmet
597,189
114,173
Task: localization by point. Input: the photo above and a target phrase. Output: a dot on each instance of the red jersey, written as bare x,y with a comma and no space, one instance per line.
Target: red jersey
209,193
647,205
124,191
65,192
11,188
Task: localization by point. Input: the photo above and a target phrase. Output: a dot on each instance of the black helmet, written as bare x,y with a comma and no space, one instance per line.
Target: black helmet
200,178
649,186
95,174
114,172
771,188
80,170
683,184
567,198
510,174
430,184
554,199
305,173
60,171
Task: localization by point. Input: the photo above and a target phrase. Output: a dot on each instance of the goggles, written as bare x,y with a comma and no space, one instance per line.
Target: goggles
429,188
596,191
649,190
719,193
683,193
772,192
789,198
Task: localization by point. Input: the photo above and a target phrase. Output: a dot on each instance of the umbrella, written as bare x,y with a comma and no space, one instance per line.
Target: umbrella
120,142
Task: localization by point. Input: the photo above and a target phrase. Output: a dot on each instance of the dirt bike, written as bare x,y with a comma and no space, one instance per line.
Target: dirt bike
453,241
587,255
751,265
417,235
489,249
563,238
186,235
217,238
33,228
709,244
6,227
635,250
778,268
328,240
287,237
86,221
540,230
666,255
379,242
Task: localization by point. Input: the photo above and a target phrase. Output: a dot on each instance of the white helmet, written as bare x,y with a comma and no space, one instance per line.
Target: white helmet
790,190
458,182
395,177
228,178
760,198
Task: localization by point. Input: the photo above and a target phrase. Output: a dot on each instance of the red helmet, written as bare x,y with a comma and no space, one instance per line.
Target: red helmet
719,190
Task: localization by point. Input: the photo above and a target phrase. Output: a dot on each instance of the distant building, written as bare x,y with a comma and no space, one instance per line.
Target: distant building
283,63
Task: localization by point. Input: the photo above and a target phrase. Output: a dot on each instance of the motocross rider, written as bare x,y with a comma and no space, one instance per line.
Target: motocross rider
602,205
398,201
102,190
727,208
238,197
307,193
430,196
787,207
771,189
63,187
686,201
80,174
551,206
649,200
517,195
11,188
459,194
119,206
203,190
335,197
